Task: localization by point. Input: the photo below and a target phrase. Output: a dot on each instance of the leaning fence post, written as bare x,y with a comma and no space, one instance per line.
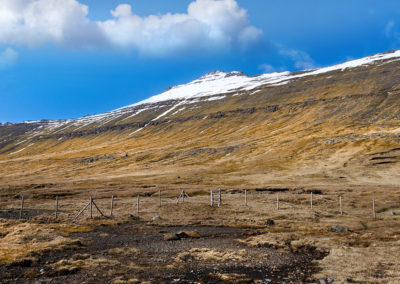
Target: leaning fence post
341,205
245,197
56,206
138,204
91,207
373,208
22,207
112,205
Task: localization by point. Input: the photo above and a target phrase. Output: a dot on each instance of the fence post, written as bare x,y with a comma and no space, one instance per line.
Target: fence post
56,207
91,207
211,198
159,198
373,208
112,205
219,197
138,204
245,197
341,205
277,201
311,200
22,207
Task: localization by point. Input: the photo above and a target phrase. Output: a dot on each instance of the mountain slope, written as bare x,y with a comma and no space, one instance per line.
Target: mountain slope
337,124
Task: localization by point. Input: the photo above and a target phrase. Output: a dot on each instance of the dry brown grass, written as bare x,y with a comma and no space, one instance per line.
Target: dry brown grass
327,136
212,255
371,246
21,240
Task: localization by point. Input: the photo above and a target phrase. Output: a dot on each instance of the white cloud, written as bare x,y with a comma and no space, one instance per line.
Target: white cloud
8,58
267,68
392,33
207,25
300,58
389,28
36,22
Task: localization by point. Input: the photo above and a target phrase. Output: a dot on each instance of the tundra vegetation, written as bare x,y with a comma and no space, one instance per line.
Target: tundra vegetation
333,134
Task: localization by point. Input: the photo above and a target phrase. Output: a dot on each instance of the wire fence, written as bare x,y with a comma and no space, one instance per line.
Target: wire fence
146,206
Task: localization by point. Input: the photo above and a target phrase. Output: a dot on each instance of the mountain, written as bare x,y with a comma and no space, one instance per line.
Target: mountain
338,124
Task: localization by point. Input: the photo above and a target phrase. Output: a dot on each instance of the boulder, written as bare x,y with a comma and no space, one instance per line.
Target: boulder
340,229
270,222
171,237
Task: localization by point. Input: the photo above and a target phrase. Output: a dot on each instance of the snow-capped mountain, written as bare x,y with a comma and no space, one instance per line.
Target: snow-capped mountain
340,122
216,85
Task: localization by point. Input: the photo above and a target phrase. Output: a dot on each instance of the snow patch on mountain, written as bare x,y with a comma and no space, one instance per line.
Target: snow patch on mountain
219,82
212,86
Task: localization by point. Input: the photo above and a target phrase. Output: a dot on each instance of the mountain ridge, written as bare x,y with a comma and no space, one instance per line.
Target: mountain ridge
264,79
337,124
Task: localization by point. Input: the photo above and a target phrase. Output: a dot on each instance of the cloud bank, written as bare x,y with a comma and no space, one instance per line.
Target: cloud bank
208,24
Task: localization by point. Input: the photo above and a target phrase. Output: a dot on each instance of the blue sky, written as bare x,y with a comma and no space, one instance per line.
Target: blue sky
68,58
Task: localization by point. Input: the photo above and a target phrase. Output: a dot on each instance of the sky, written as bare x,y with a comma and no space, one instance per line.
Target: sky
63,59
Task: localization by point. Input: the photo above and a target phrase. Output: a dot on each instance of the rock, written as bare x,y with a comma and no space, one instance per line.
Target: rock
394,213
330,280
155,218
181,235
187,257
340,229
349,279
131,216
188,234
322,281
270,222
171,237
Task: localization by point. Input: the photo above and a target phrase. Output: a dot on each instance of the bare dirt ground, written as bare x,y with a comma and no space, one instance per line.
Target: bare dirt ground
192,242
135,251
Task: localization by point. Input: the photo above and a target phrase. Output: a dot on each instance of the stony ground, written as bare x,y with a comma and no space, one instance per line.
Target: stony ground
232,243
135,251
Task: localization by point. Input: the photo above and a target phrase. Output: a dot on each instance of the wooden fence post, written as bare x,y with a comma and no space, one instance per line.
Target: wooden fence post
211,198
373,208
341,205
112,205
22,207
56,207
277,201
245,197
311,200
91,207
159,198
138,204
83,209
219,197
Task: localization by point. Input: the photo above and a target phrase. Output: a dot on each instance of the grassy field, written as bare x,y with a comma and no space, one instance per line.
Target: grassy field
369,244
335,134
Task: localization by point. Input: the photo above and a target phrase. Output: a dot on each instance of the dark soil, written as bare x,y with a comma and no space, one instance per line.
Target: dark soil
27,214
262,265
